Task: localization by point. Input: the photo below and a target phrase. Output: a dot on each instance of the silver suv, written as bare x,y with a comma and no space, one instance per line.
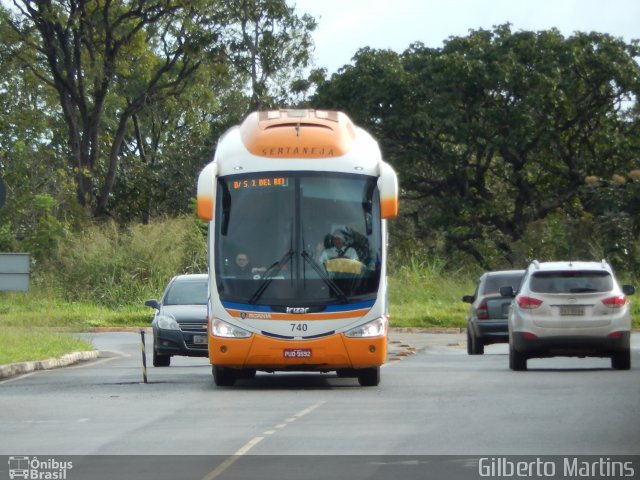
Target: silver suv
569,309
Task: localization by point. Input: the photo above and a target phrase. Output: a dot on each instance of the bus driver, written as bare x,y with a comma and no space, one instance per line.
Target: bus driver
339,249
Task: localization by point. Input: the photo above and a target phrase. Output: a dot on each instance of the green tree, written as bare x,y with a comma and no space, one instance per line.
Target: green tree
497,130
269,45
112,57
40,201
143,88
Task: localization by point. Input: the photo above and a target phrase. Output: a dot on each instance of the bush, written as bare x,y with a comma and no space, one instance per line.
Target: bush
424,292
110,266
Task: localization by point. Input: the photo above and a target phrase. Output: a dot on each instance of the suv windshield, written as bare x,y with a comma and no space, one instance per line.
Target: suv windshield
300,238
571,282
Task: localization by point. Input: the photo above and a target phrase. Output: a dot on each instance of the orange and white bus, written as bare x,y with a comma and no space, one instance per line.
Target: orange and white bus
296,202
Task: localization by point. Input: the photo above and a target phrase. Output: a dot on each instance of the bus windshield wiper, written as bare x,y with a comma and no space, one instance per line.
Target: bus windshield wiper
270,274
323,275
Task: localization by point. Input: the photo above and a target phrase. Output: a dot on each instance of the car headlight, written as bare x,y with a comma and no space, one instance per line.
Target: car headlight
167,322
224,329
374,328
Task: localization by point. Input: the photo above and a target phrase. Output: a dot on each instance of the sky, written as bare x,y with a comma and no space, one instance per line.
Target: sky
344,26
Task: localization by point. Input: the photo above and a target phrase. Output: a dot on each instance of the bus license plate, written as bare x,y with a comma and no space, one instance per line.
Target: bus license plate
297,353
200,339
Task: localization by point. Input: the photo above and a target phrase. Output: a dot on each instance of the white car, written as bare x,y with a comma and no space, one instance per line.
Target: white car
569,309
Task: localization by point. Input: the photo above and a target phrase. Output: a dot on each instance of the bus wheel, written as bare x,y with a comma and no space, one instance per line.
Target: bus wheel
369,377
248,373
223,377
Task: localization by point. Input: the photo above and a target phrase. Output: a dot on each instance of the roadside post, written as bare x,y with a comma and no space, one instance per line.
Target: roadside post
144,358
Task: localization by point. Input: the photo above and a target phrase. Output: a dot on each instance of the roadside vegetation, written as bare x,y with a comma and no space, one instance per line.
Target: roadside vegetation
100,278
25,345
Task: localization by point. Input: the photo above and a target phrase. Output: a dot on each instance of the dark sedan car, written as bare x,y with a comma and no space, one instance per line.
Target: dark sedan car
487,317
180,320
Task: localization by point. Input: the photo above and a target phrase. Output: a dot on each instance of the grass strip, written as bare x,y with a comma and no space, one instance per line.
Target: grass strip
28,344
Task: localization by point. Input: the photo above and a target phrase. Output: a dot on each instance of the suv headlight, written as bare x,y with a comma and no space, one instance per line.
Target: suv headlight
374,328
220,328
167,322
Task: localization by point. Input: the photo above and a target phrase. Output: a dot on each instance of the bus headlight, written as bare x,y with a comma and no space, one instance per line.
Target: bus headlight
374,328
224,329
167,322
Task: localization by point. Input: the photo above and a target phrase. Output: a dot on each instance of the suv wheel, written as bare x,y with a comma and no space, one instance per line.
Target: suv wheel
621,360
517,360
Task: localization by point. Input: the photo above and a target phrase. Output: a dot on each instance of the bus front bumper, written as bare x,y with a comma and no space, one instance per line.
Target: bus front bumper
324,354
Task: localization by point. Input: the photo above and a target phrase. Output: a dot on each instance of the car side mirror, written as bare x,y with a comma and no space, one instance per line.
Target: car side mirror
468,299
507,291
152,304
628,289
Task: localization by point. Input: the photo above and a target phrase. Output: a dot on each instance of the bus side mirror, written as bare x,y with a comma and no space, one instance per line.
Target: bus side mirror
388,187
207,191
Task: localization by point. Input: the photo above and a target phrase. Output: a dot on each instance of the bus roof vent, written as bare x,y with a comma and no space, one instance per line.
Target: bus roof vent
298,125
297,115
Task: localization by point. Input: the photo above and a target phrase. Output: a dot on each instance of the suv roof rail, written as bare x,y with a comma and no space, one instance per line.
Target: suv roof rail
536,264
605,264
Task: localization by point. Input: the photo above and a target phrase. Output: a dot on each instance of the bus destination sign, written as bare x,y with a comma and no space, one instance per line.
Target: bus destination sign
262,182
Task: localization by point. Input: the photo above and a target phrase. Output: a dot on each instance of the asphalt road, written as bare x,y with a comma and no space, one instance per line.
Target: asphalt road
433,400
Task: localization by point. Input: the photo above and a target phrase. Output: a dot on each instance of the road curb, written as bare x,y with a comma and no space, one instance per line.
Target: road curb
13,369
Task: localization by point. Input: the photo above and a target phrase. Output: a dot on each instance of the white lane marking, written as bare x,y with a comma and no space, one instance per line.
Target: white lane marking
255,440
310,409
92,363
233,458
19,377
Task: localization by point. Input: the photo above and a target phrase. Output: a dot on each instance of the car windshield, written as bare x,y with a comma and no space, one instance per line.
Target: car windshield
571,282
187,293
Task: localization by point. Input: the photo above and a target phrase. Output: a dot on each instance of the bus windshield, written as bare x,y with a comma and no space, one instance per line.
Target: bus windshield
297,238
